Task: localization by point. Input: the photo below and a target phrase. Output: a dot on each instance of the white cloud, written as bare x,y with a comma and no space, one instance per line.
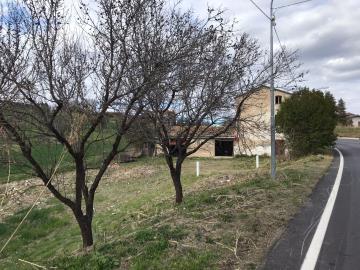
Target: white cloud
325,32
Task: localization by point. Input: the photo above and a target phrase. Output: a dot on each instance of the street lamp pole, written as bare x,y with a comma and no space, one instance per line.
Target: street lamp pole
272,95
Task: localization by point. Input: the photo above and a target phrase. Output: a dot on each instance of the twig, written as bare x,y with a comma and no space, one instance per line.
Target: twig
253,243
227,196
32,264
224,246
236,243
184,245
8,178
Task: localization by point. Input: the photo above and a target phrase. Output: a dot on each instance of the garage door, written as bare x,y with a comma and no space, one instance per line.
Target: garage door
224,148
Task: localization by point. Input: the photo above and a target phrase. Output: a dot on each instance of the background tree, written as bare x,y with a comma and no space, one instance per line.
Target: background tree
49,80
342,115
308,120
206,90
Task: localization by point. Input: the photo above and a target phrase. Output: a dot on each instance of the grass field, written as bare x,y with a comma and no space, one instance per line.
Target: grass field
47,154
230,217
351,132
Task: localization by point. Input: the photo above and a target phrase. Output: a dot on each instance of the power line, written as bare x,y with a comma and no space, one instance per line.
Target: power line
293,4
263,12
284,54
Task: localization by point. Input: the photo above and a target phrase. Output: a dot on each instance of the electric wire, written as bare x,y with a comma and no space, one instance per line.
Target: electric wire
293,77
293,4
263,12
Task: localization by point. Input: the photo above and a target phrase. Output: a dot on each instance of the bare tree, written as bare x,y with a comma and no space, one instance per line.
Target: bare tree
58,88
206,90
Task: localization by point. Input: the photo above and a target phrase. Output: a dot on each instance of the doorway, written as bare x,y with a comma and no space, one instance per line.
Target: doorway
224,148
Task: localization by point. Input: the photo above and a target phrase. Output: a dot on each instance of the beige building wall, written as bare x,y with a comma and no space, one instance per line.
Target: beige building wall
356,121
207,150
254,138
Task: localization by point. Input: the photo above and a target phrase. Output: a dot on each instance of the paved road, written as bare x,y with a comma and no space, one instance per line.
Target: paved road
340,249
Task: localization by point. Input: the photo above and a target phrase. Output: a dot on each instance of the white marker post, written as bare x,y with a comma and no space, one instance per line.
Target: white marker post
257,162
197,168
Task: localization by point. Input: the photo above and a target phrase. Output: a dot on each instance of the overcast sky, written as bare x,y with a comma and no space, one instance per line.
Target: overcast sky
326,33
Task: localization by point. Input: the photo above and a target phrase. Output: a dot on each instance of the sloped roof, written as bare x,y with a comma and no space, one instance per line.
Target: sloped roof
204,131
278,89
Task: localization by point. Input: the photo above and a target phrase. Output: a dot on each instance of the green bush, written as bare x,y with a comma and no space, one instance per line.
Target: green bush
308,120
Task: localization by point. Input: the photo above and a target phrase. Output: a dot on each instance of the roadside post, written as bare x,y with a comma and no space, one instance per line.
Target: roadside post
197,168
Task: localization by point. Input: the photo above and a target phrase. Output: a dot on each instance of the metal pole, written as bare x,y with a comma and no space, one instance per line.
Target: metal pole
257,162
197,168
272,96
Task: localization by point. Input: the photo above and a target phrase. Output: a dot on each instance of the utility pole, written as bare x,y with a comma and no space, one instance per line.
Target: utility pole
272,90
272,95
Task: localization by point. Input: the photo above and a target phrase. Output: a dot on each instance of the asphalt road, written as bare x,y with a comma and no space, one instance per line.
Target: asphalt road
340,247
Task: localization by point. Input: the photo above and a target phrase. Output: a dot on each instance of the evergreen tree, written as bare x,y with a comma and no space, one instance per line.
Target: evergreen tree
308,120
341,113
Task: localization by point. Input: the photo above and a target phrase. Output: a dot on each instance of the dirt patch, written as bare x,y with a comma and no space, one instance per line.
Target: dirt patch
117,172
20,195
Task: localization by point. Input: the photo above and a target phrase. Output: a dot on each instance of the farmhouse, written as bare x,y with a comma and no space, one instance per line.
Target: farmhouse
221,146
355,120
253,138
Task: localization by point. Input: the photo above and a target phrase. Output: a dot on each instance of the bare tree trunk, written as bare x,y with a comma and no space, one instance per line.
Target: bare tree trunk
175,175
86,230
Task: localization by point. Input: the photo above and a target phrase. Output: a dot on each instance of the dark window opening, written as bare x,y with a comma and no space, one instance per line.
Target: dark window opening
224,148
278,99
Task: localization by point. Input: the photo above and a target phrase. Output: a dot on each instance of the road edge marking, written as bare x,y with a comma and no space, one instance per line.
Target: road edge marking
313,251
349,138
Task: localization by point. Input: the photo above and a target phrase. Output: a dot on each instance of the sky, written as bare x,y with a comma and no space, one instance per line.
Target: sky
326,34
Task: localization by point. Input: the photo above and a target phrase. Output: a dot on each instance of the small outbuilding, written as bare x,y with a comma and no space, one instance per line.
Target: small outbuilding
355,120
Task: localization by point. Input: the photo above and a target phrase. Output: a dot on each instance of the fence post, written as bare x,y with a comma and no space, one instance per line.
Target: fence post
197,168
257,162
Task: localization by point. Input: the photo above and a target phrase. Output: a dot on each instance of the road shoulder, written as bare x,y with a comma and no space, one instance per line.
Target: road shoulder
290,249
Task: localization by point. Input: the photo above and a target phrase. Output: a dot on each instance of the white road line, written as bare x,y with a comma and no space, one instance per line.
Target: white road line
349,138
312,254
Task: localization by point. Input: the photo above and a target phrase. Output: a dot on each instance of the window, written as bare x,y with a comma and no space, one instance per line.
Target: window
278,99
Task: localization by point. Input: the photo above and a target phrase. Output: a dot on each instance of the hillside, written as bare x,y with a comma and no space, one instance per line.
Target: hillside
231,215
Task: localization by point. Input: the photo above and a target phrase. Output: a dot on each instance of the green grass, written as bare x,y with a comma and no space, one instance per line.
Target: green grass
352,132
47,155
46,151
137,225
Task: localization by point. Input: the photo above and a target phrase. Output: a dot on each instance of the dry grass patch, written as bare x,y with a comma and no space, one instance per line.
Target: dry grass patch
232,221
230,217
351,132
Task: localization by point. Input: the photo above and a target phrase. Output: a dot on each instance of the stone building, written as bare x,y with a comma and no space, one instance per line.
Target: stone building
253,138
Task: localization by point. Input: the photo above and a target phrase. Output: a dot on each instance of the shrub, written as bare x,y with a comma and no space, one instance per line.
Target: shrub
308,120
